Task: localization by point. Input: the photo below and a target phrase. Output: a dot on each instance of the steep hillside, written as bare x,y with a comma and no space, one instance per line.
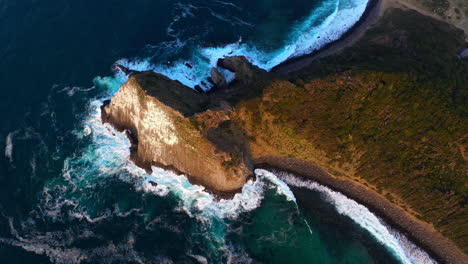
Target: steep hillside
389,112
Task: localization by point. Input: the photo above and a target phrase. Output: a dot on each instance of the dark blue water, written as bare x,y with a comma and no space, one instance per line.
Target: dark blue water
68,193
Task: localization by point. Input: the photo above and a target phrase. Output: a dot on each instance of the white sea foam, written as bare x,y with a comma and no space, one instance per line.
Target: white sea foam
33,165
228,4
70,91
416,254
9,146
199,203
185,11
200,259
325,24
53,245
399,245
111,152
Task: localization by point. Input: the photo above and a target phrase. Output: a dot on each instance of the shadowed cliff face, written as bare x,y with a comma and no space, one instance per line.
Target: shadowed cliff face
174,127
160,113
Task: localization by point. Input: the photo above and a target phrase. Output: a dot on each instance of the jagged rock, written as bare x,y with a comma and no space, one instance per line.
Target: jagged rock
218,79
199,89
161,115
244,70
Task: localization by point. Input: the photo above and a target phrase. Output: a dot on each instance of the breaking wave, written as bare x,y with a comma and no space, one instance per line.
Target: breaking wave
398,244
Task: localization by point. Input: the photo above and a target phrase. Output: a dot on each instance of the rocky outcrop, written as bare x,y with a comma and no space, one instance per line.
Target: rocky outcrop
175,127
245,71
218,79
162,117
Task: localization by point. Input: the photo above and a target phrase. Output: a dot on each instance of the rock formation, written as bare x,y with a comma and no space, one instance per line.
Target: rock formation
244,70
163,117
175,127
218,79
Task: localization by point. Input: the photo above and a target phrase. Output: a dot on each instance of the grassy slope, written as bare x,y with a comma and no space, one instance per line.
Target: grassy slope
390,112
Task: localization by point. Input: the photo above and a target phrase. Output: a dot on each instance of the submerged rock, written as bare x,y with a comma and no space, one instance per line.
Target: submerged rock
161,115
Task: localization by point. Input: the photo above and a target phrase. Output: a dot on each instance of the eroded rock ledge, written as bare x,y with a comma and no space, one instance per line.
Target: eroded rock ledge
174,127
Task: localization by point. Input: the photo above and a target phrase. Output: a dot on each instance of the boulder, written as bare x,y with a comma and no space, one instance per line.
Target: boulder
218,79
243,69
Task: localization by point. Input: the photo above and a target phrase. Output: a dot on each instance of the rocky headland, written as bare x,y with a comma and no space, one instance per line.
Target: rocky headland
160,116
387,115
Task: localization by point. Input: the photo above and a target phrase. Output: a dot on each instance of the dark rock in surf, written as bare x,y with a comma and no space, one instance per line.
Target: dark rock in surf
243,69
218,79
125,70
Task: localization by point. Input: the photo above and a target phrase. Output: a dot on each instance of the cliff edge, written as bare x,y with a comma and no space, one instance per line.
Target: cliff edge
160,116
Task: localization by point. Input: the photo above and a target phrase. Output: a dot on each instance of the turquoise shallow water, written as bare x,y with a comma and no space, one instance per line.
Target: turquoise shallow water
68,191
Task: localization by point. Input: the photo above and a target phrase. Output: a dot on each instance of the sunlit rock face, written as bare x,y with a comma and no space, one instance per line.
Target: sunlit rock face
163,119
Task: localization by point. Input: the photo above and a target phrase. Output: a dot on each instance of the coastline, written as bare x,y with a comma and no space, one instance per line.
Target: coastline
374,11
422,234
370,16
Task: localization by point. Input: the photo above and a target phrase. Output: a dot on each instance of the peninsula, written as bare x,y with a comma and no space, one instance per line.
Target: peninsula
383,121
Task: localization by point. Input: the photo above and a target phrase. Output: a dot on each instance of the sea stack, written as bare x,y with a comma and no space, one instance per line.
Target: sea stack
165,121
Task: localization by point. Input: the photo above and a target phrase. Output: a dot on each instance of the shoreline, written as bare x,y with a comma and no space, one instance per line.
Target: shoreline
420,233
374,11
370,16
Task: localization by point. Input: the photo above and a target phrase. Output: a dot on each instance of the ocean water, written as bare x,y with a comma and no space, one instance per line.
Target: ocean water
68,192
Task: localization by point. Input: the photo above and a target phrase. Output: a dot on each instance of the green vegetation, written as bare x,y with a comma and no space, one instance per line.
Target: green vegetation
391,110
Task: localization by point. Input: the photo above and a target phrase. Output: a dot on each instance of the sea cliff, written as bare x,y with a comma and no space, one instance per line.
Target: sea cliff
158,115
